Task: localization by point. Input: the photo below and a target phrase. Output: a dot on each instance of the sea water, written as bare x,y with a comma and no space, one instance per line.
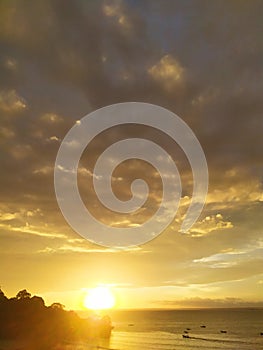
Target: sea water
163,330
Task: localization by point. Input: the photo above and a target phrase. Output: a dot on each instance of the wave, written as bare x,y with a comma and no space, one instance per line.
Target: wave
233,341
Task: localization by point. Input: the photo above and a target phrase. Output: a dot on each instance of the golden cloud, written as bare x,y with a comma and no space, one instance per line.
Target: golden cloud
167,71
51,118
11,102
209,224
115,11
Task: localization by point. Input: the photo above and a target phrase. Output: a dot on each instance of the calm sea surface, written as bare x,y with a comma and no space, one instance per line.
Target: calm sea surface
145,330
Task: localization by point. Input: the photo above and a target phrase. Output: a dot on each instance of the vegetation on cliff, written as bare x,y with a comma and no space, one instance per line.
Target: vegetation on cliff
26,317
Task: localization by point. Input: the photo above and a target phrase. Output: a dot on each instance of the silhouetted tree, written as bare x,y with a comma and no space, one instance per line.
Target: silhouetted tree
3,298
27,318
23,294
57,306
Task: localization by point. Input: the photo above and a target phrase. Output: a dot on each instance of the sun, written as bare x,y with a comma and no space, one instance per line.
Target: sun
99,298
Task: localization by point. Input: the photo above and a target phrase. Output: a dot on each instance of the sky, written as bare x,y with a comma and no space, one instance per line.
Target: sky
59,61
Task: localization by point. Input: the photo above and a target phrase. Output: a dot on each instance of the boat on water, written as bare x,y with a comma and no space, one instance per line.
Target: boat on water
185,336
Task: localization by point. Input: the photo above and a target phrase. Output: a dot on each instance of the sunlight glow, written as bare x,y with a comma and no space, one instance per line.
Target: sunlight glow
99,298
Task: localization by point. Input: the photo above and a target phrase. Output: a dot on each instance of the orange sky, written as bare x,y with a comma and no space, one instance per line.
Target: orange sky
203,61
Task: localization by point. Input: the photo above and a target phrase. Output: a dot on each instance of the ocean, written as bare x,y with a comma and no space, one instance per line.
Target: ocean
163,330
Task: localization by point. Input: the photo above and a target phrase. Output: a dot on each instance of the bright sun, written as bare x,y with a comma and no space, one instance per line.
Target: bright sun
99,298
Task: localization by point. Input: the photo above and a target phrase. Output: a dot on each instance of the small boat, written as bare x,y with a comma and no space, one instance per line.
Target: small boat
188,329
186,332
185,336
222,331
203,326
261,333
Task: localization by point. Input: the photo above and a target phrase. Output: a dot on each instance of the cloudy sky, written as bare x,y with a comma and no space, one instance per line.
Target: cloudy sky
60,60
